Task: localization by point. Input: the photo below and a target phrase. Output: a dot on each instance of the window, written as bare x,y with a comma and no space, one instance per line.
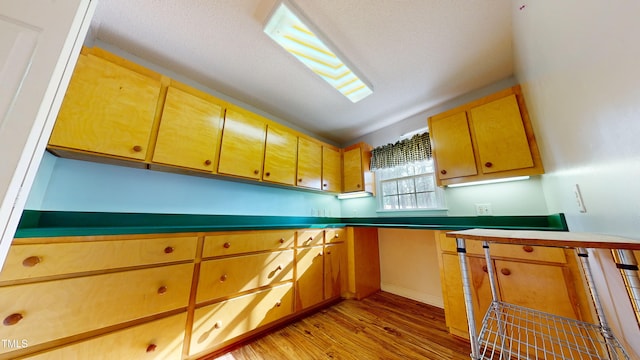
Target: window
409,187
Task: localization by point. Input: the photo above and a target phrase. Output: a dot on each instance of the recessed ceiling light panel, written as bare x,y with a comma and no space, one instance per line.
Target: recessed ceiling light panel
294,33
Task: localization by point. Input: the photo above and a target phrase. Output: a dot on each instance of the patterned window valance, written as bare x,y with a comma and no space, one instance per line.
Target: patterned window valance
403,152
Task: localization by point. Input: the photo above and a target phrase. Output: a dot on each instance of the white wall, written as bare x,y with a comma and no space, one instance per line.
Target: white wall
578,63
409,265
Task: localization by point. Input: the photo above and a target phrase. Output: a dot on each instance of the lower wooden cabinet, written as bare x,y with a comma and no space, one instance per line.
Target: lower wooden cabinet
310,276
159,339
225,320
539,278
335,270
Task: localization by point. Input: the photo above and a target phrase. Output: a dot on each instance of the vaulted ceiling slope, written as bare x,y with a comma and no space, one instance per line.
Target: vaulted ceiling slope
415,53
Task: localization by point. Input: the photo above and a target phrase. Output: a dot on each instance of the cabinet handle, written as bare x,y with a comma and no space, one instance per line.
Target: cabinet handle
358,186
505,271
300,180
279,267
256,172
168,249
207,162
137,148
267,174
217,325
152,348
325,185
488,164
12,319
485,268
443,172
278,303
227,245
527,248
328,252
223,278
162,290
336,235
281,240
31,261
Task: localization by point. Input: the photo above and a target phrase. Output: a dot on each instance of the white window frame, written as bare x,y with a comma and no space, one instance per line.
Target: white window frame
404,172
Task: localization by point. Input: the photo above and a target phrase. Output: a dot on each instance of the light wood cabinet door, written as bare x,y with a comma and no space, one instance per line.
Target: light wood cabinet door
309,276
242,147
245,242
56,309
335,235
451,140
217,323
309,164
353,178
335,270
500,136
331,169
280,156
158,340
189,131
228,276
108,109
27,261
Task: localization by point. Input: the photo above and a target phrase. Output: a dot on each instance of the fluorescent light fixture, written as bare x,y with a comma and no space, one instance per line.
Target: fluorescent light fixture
291,30
354,195
517,178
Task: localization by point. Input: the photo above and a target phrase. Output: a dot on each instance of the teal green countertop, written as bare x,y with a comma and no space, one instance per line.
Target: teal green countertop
68,223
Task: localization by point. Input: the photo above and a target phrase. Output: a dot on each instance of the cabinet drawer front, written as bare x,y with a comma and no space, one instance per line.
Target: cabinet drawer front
335,235
159,339
55,309
225,277
223,321
309,237
36,260
244,242
525,252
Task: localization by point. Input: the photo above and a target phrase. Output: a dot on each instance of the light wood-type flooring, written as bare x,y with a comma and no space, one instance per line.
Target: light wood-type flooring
382,326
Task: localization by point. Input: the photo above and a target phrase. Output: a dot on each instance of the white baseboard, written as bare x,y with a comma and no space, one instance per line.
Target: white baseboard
429,299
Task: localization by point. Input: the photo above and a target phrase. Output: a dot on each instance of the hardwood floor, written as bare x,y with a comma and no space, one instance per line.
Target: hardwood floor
382,326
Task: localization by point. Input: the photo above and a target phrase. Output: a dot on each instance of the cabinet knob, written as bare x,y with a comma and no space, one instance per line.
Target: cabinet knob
168,249
227,245
137,148
207,162
328,252
278,303
358,186
443,172
31,261
152,348
527,248
256,172
279,267
300,180
281,240
485,268
488,164
267,174
162,290
505,271
223,278
217,325
12,319
325,184
336,235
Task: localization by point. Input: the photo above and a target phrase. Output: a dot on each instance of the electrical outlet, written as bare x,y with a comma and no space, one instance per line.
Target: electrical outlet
578,195
484,209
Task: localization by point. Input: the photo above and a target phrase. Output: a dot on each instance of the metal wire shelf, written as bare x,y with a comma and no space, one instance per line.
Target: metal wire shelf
515,332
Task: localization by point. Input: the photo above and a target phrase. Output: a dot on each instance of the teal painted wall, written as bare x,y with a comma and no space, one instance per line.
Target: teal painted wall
72,185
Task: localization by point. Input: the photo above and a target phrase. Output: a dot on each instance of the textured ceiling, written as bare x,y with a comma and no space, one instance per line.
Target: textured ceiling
416,53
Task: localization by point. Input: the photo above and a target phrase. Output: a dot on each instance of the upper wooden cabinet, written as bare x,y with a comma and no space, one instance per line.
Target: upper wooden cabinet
280,156
487,139
309,164
109,108
331,169
356,165
189,131
243,142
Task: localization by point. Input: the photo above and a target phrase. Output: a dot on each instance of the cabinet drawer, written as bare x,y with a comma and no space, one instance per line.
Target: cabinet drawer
309,237
36,260
335,235
526,252
224,277
243,242
225,320
56,309
159,339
